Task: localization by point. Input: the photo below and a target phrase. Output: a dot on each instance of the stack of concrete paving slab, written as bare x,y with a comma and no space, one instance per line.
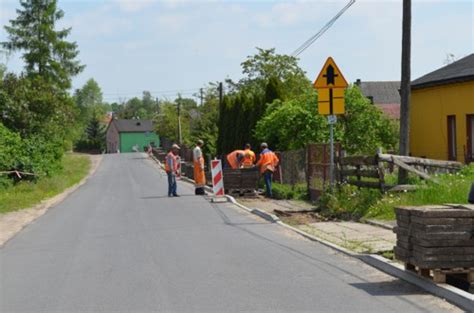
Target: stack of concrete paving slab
240,179
435,237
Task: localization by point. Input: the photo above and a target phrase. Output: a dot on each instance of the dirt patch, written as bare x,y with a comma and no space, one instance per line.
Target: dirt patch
299,218
13,222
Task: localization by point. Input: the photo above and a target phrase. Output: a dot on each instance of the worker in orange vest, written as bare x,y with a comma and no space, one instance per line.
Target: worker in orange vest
171,168
267,164
199,174
249,157
235,159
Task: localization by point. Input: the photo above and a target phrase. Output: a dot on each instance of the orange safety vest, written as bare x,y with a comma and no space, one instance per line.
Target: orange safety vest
249,158
268,161
232,159
171,158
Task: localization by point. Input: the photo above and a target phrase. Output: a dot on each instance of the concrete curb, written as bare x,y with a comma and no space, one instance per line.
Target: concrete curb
265,215
454,295
378,224
46,204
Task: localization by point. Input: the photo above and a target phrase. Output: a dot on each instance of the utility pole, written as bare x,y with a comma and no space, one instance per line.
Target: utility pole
178,103
221,93
202,96
405,88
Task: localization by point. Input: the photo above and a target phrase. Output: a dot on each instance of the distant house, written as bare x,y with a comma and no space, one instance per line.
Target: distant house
130,135
383,94
442,113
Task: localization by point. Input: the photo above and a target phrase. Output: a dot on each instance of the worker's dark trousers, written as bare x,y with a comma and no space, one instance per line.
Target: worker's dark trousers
471,194
171,184
268,176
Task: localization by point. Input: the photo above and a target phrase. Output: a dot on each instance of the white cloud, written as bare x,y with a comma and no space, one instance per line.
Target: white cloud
98,23
293,13
132,6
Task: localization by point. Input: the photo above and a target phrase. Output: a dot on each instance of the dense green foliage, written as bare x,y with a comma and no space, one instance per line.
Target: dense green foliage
145,108
31,154
37,114
293,123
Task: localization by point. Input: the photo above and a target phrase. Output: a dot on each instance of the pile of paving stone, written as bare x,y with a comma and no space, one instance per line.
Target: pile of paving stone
435,237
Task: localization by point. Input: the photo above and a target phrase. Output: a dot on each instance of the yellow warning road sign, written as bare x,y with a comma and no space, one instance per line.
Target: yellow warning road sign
330,76
330,85
331,97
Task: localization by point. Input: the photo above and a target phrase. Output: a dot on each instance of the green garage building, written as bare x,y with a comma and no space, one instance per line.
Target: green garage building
130,135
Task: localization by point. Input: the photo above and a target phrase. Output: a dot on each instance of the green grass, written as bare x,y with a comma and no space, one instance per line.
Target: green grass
451,188
27,193
288,192
351,203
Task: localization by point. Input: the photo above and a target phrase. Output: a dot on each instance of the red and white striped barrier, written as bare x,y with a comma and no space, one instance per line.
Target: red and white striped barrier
217,178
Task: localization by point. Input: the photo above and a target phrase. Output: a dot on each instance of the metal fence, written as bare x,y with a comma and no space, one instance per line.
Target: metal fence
292,169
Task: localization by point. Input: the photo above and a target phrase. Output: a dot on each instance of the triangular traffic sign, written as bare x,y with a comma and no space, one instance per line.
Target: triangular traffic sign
330,76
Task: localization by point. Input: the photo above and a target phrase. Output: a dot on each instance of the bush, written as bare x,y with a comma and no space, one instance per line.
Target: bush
348,202
35,154
10,144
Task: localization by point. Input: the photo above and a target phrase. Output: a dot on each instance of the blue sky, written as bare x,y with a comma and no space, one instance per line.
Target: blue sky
165,46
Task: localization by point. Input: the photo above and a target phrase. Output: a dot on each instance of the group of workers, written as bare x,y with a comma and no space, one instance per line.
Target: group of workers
267,164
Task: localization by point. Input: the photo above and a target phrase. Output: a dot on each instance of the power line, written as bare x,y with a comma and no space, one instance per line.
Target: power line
328,25
154,92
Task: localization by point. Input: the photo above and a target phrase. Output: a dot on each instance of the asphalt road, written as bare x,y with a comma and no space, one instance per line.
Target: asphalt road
119,244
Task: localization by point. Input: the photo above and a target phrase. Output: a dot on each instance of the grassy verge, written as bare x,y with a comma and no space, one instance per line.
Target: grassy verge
348,202
26,194
288,192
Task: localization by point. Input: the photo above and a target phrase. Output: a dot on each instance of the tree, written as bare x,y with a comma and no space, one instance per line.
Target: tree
405,89
292,124
239,114
89,95
32,106
167,123
45,50
88,100
204,120
266,65
95,131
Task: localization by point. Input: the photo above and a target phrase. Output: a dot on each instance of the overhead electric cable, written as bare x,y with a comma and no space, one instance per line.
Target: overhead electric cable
328,25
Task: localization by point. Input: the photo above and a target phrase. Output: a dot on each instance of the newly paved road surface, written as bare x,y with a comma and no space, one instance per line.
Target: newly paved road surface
119,244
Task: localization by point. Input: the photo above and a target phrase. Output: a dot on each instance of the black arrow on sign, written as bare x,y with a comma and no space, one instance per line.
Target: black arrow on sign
330,75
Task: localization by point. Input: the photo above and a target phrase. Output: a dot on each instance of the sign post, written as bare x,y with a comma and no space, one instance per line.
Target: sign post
330,85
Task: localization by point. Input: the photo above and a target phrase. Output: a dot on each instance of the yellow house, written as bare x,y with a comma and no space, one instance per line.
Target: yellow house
442,113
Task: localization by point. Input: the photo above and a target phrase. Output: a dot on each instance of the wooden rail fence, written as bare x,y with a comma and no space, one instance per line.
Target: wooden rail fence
369,171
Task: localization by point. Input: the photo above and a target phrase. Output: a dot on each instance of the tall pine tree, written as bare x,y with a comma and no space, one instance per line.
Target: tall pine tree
45,50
